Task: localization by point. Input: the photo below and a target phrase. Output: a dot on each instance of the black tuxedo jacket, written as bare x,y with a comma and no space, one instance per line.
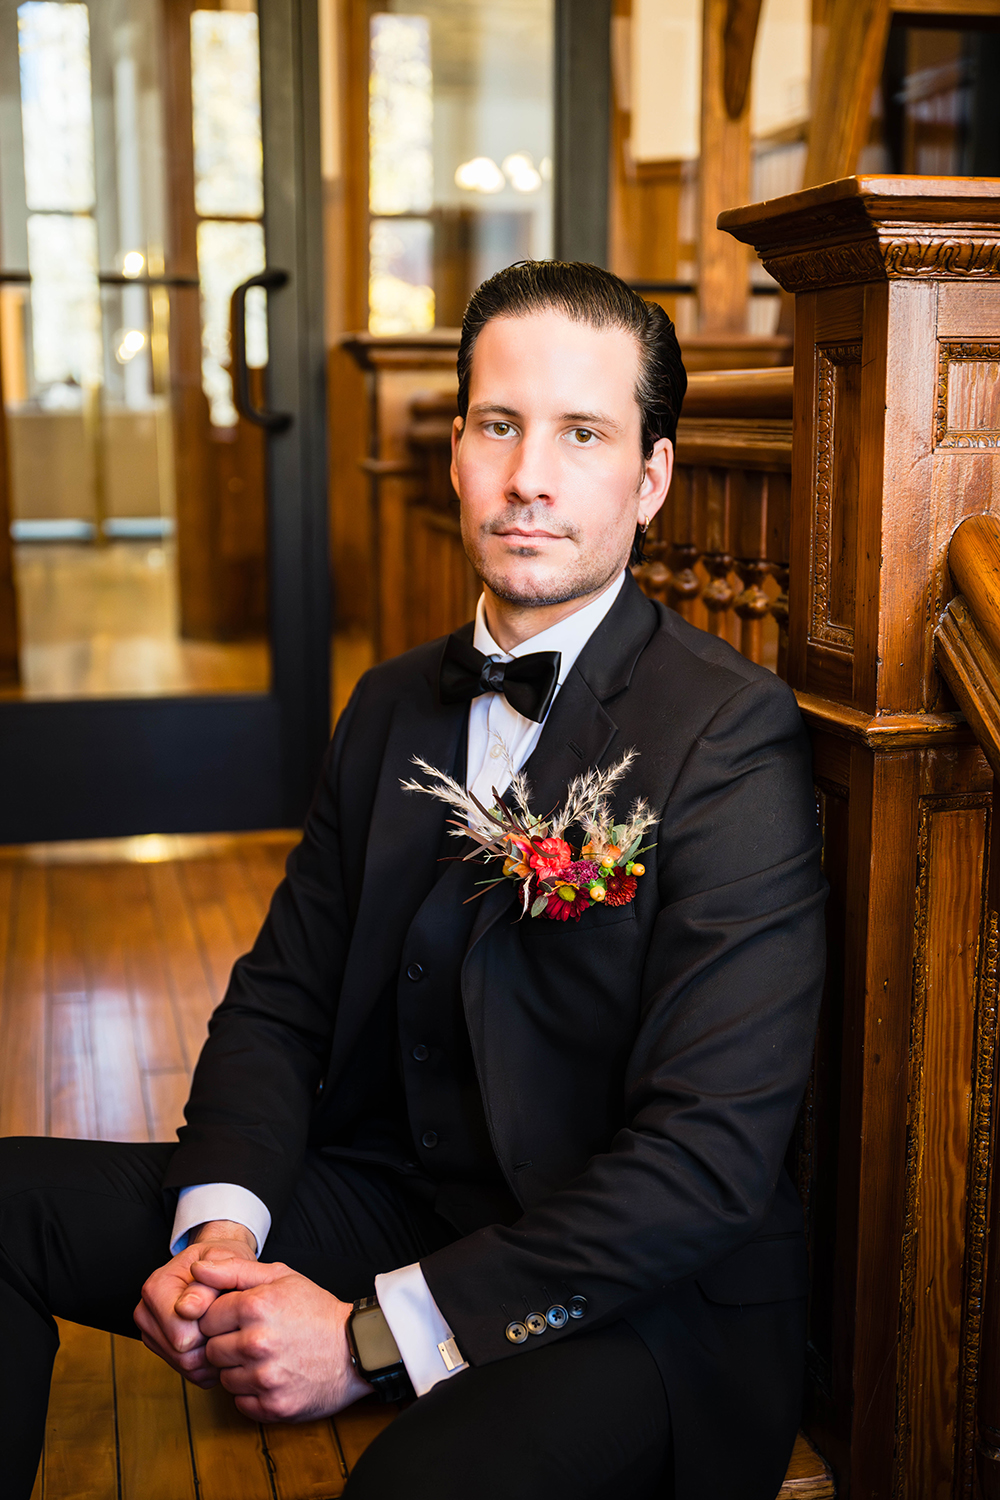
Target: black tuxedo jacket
640,1070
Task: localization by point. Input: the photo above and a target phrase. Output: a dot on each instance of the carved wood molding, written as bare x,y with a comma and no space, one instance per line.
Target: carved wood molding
878,258
822,630
952,353
885,732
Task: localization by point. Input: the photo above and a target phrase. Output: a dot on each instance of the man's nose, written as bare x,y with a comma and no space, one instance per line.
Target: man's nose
535,472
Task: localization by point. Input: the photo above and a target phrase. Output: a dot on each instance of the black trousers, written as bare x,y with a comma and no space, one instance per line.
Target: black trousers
83,1223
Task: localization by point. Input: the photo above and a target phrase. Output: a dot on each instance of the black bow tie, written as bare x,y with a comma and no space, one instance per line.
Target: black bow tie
528,682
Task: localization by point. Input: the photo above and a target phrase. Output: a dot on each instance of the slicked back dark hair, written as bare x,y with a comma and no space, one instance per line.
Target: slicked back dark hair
586,294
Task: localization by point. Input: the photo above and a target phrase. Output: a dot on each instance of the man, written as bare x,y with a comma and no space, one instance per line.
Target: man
552,1149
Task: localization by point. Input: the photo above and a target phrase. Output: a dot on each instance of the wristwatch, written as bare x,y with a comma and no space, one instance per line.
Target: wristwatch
374,1352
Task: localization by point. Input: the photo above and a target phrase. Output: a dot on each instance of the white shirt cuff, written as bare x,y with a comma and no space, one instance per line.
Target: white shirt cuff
422,1336
218,1200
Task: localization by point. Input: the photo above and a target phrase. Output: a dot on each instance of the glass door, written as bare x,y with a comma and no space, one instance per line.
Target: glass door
164,649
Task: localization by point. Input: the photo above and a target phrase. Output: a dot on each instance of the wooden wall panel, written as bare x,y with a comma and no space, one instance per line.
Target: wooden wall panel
949,913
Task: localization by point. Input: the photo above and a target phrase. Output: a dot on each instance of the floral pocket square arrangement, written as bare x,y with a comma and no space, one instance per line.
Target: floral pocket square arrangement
555,879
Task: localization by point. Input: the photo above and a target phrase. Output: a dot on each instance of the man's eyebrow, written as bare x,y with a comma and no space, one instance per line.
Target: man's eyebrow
482,407
591,419
579,418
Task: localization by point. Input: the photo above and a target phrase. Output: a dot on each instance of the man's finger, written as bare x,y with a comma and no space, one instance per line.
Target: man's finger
194,1301
236,1275
227,1314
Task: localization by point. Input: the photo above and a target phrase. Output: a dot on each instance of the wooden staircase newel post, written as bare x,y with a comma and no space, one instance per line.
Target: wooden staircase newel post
896,441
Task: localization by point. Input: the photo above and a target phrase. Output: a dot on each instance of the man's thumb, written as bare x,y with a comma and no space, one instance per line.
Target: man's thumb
231,1275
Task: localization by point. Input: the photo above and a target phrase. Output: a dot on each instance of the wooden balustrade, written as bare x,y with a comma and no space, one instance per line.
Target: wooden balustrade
718,550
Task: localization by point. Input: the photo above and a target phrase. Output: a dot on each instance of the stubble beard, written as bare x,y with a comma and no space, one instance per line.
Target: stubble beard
589,575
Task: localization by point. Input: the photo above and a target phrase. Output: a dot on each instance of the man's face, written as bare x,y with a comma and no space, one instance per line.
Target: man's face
548,466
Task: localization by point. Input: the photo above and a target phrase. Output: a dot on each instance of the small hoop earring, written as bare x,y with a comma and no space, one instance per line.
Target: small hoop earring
643,526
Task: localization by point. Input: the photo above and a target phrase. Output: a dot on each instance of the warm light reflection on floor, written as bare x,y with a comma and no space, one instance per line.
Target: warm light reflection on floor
103,622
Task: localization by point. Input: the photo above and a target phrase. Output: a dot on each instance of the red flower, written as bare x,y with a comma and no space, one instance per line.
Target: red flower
555,854
561,907
620,888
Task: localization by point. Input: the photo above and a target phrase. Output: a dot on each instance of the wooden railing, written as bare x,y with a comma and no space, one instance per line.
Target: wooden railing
719,548
967,651
967,639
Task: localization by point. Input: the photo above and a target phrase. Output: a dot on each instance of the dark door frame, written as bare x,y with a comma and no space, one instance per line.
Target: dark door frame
104,767
582,129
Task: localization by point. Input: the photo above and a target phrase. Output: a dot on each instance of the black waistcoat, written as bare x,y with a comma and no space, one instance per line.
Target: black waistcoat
425,1115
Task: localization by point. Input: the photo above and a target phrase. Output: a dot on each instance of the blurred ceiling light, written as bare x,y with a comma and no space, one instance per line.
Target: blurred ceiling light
130,344
480,175
134,263
522,173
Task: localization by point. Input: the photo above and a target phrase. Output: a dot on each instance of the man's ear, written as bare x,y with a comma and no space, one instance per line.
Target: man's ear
659,468
457,428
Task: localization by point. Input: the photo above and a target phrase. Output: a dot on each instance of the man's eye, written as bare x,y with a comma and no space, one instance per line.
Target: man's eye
500,429
583,437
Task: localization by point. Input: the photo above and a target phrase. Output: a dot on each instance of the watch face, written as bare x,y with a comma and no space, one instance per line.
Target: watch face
375,1344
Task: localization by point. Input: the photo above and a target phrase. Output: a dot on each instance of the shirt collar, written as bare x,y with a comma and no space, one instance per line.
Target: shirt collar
568,636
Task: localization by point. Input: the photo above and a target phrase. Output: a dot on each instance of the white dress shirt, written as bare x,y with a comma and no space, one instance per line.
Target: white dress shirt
422,1335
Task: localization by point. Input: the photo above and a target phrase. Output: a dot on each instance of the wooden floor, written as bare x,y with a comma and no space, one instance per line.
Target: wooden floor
112,956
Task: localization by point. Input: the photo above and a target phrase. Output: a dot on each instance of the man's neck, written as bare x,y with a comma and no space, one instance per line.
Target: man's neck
511,625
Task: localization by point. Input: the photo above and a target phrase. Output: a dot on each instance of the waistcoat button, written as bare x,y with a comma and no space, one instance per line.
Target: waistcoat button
415,971
429,1138
421,1053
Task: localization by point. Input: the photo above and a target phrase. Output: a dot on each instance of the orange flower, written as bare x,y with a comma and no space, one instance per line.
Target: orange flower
554,854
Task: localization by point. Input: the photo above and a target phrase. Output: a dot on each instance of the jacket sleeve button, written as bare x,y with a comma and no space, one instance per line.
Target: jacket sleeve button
577,1306
535,1323
429,1139
414,971
557,1317
516,1332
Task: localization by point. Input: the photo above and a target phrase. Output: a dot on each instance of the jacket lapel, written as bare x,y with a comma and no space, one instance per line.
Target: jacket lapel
579,730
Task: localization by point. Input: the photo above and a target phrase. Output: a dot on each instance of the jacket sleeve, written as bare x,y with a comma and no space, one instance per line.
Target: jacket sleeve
731,989
269,1041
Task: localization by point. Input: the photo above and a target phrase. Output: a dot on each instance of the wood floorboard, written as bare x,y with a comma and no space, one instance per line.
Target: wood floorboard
81,1461
153,1442
306,1461
182,956
23,1034
72,1111
228,1449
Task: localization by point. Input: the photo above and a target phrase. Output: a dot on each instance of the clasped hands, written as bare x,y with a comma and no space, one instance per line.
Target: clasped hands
274,1339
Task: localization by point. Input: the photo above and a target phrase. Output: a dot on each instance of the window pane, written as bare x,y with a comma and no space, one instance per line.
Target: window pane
225,84
401,174
461,132
65,305
401,295
227,255
54,51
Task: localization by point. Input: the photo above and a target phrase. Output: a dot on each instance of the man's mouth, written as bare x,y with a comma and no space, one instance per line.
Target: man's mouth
519,531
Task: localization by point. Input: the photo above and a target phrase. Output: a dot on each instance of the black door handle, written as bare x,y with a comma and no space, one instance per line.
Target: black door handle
273,421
